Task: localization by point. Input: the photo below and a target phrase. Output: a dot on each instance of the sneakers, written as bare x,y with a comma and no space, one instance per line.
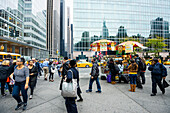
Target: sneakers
24,107
80,100
30,97
45,79
19,106
87,91
163,92
98,91
153,94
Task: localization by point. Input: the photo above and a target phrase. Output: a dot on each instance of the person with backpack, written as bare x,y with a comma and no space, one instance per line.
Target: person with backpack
94,77
143,69
121,67
114,69
71,74
139,63
158,72
133,69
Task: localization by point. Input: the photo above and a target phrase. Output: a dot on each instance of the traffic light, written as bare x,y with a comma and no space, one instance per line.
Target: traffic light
16,33
11,34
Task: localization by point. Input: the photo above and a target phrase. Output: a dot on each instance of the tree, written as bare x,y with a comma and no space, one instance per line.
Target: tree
157,44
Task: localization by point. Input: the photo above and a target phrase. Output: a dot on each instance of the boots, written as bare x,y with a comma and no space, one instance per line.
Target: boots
134,87
131,86
113,82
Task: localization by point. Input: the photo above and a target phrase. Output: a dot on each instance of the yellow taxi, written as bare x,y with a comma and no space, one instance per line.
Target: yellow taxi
84,64
167,62
149,62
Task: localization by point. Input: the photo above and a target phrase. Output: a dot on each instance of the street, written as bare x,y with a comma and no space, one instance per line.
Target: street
113,99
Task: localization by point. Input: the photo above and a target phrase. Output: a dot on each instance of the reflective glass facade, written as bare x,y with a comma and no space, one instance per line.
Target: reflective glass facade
118,19
11,18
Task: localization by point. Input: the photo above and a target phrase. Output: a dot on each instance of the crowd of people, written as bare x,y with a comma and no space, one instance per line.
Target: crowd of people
19,76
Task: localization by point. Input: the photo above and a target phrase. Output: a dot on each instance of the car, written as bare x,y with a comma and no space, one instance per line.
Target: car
101,63
149,62
84,64
166,63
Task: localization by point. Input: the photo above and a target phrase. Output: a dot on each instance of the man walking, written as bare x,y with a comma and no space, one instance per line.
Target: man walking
94,77
139,62
65,69
45,68
158,72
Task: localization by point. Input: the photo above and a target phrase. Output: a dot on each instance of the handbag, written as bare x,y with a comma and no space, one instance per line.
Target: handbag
52,70
165,84
69,89
12,82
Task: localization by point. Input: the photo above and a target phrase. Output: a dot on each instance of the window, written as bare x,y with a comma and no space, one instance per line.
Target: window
4,56
14,57
28,5
28,11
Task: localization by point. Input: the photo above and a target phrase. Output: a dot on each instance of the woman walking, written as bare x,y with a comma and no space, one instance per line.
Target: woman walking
133,69
21,74
52,71
33,72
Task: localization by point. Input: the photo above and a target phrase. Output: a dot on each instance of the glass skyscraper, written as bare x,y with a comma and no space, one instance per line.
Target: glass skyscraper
118,19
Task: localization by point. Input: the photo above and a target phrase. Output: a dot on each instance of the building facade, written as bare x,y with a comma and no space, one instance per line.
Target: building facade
15,31
53,27
119,19
35,27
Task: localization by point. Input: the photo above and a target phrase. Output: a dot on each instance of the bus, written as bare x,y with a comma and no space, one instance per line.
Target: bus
13,55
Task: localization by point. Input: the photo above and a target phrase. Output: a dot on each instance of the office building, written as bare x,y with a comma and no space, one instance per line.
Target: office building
53,27
117,19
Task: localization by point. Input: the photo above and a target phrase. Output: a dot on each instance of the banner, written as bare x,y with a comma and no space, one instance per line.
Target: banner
103,46
113,46
128,48
120,49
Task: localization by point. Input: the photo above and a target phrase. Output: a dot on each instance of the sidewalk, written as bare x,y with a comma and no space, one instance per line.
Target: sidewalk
113,99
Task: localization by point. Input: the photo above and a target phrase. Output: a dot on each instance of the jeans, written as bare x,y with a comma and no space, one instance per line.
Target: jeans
59,73
112,76
142,74
71,105
51,76
16,90
97,82
133,78
157,80
138,81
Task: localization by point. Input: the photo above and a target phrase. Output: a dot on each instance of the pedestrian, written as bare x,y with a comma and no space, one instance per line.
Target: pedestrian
45,68
111,67
65,68
143,69
4,74
21,74
121,67
72,74
37,64
133,69
33,73
138,62
158,72
58,69
94,77
51,71
78,87
9,57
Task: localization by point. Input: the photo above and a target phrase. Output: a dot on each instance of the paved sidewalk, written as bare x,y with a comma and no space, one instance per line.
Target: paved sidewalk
113,99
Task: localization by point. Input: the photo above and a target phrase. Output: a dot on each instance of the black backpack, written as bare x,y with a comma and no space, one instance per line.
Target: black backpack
142,66
116,69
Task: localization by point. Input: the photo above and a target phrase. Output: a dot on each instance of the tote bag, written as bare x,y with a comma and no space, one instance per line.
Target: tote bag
69,89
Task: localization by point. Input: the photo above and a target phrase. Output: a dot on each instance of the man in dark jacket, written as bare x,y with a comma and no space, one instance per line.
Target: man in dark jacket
70,101
94,77
158,71
138,61
65,67
112,71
